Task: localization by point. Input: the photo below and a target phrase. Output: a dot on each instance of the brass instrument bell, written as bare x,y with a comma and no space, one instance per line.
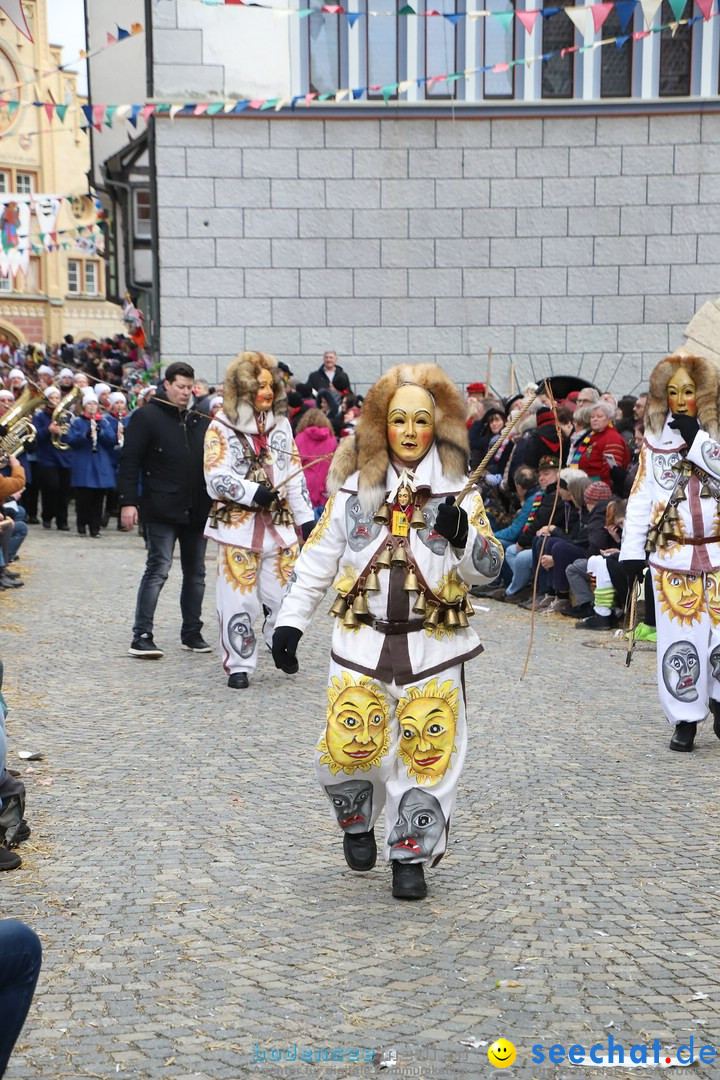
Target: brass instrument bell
360,606
417,521
420,604
383,561
411,583
339,607
398,557
382,517
372,583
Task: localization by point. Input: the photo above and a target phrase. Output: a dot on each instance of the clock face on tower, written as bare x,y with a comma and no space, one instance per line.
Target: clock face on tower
8,90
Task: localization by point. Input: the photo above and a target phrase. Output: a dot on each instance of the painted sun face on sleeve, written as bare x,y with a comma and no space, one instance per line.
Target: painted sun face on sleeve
681,670
352,803
240,567
641,471
322,525
284,562
215,448
428,719
712,591
680,595
357,735
419,826
663,470
361,529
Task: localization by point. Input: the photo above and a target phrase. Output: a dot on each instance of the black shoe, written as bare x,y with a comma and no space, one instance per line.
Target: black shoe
12,574
580,611
9,860
597,622
33,521
196,643
47,524
684,737
360,850
715,710
238,681
408,881
145,646
9,582
104,521
95,535
63,528
82,530
23,832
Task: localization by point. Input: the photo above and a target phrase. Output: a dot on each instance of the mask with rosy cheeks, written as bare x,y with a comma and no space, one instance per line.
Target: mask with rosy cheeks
410,424
681,393
265,393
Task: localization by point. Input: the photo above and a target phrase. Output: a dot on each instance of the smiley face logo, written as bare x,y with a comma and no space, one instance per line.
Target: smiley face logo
501,1054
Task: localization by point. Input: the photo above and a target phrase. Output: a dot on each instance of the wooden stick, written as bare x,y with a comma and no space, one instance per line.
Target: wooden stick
487,377
631,642
476,473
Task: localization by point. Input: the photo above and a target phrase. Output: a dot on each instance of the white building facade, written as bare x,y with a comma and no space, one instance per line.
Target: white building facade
563,213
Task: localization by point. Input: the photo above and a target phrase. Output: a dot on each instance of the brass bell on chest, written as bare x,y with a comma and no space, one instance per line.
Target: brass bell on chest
705,492
451,619
382,517
462,619
420,605
432,617
411,583
372,582
383,561
350,622
398,557
339,607
417,521
467,607
360,606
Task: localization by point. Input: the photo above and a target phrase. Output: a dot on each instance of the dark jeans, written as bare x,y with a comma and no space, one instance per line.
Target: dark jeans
20,960
160,541
55,488
88,505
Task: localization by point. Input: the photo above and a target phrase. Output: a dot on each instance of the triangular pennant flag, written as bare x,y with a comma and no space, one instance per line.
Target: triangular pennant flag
136,28
98,116
678,6
293,103
649,8
309,98
406,10
304,12
504,17
625,10
122,111
12,107
110,111
706,7
389,90
241,106
174,110
88,113
147,112
528,19
579,16
455,18
201,108
501,67
256,103
271,103
60,111
49,111
570,49
216,107
341,95
134,112
640,34
332,9
352,17
122,34
620,41
358,92
600,13
547,13
111,39
281,103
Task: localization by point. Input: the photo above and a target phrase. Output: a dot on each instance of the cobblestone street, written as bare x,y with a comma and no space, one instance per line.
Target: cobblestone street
188,883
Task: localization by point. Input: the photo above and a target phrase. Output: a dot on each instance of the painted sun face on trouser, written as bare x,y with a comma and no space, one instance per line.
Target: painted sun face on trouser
247,584
423,746
352,804
688,647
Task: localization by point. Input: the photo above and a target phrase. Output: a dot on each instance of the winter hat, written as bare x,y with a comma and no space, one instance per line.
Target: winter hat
548,462
597,492
66,373
476,388
215,401
101,388
89,395
117,396
16,373
44,369
50,390
544,416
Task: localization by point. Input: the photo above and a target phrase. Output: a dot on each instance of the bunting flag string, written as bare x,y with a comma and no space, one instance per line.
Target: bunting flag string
98,115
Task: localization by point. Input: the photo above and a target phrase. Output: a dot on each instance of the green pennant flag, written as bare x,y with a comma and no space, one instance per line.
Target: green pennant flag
13,107
678,6
110,111
60,111
504,17
304,12
326,97
455,76
407,10
269,104
389,90
216,107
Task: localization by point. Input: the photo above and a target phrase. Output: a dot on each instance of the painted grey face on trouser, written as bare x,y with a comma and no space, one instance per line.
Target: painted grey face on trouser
241,634
681,670
420,825
431,539
715,662
361,529
352,804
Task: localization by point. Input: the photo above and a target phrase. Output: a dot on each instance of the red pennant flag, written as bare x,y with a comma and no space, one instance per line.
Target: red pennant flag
111,39
705,6
640,34
332,9
600,13
309,98
257,103
529,18
98,116
200,109
566,52
54,237
501,67
147,111
49,111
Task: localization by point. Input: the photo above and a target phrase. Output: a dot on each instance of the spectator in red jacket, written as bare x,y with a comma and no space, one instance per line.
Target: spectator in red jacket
604,447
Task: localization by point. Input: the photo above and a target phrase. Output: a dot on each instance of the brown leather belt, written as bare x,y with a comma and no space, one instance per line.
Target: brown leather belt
693,541
383,627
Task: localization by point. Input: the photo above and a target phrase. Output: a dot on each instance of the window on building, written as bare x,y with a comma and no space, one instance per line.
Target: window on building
675,57
323,49
441,42
616,62
383,49
74,276
143,211
558,33
6,283
498,47
4,182
25,183
91,276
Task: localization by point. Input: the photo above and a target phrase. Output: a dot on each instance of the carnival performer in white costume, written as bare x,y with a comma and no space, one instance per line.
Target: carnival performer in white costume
401,557
253,474
673,518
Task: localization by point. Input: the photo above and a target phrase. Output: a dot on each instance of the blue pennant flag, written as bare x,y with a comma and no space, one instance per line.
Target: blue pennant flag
454,18
134,113
358,92
122,34
625,11
88,113
547,12
353,16
620,41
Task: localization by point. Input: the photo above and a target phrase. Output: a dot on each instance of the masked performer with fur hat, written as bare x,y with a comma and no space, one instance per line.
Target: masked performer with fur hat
673,518
253,474
401,557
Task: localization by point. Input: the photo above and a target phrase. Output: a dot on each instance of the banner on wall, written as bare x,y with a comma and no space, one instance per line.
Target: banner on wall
14,235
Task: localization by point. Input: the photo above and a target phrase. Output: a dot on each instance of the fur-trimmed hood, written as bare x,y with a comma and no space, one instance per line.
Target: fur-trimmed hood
241,383
367,450
706,377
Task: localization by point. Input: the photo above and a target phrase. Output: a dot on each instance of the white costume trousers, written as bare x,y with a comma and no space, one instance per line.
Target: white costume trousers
397,747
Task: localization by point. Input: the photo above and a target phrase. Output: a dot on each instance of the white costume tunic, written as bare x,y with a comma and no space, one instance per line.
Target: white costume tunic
685,572
396,732
255,554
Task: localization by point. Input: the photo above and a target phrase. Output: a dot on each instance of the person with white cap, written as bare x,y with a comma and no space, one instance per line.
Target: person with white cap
92,440
66,380
53,465
16,381
102,393
45,376
117,419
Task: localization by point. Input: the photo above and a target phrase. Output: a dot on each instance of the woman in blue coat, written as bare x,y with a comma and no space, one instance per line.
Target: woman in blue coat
92,440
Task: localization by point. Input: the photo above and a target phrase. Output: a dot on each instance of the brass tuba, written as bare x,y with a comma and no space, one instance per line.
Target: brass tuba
21,434
31,399
63,417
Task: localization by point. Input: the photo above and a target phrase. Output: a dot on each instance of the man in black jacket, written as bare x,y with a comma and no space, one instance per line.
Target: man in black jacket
163,451
329,376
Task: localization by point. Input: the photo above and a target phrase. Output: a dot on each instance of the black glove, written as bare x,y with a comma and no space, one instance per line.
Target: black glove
306,528
634,569
264,495
686,425
452,522
284,648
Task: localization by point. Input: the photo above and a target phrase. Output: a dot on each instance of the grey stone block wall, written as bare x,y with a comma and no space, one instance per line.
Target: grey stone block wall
578,246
